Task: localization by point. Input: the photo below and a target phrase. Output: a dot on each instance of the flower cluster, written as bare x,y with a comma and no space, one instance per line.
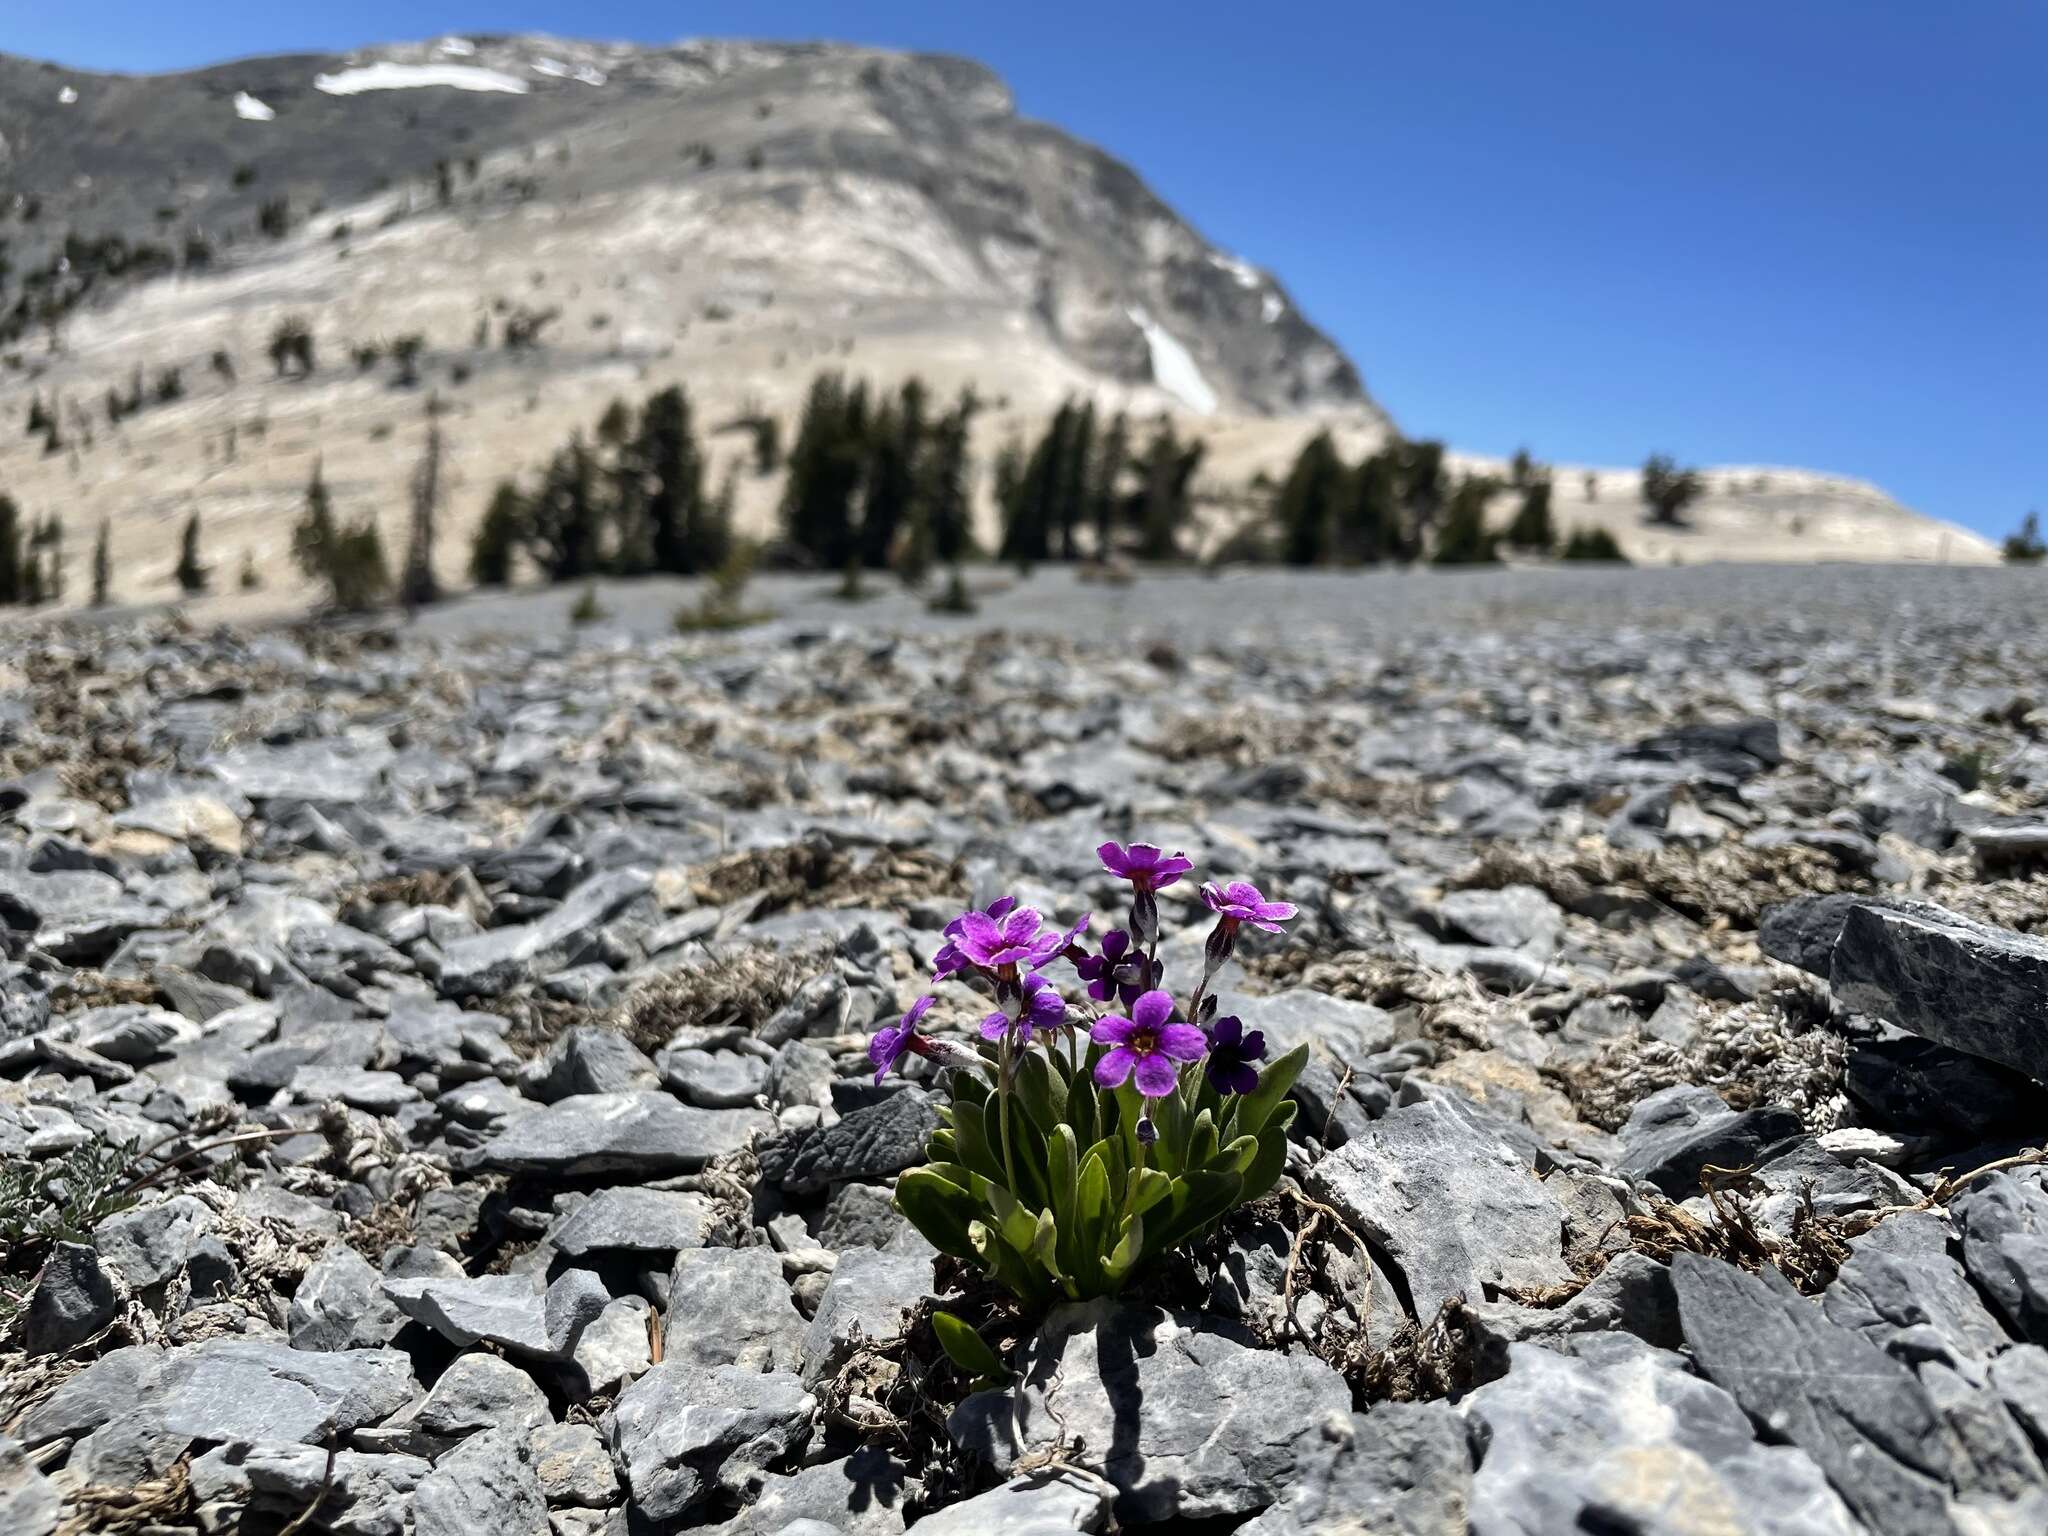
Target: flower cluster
1085,1138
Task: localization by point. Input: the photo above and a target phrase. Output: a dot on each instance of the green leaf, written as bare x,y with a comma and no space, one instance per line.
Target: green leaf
1012,1220
1062,1177
968,1349
1265,1169
1151,1187
1255,1109
971,1141
1201,1142
1042,1093
1129,1249
944,1212
1234,1158
1045,1246
1024,1279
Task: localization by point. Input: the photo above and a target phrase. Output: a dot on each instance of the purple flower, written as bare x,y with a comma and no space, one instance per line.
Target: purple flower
1149,1043
893,1040
1231,1054
1240,902
1146,867
950,960
1037,1006
1118,971
1018,938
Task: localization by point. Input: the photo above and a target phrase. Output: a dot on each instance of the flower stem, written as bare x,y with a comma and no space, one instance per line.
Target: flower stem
1003,1114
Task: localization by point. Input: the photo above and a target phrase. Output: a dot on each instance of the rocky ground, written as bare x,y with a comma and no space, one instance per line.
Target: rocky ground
433,1092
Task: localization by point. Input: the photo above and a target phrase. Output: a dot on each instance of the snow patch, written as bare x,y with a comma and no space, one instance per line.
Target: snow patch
1173,366
457,47
66,96
1272,307
387,76
590,74
1245,274
250,110
554,69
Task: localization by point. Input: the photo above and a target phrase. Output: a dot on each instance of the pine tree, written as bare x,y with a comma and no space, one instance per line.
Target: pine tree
2025,547
1463,539
1592,544
314,540
12,582
1669,490
896,441
1105,486
1164,507
497,537
102,565
1422,494
672,469
418,585
824,475
1531,529
563,533
1076,478
943,500
1306,505
1369,520
190,574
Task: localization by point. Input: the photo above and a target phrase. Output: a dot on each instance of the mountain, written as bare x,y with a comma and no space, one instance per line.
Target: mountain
732,216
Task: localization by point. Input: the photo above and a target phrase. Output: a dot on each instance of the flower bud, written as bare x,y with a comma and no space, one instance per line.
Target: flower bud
1221,942
1144,917
1148,1133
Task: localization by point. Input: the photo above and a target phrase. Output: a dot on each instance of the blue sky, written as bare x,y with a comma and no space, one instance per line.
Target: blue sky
1812,234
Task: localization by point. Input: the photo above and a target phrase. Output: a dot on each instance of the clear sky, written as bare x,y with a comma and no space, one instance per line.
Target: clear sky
1809,233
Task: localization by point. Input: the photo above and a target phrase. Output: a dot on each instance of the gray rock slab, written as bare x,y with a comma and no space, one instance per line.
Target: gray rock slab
647,1133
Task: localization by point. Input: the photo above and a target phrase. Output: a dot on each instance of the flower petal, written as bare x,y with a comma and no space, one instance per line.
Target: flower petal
1111,1071
1152,1010
1157,1077
1113,1030
1183,1042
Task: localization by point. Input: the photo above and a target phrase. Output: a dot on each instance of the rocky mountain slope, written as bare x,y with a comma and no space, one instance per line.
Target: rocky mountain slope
732,216
485,1024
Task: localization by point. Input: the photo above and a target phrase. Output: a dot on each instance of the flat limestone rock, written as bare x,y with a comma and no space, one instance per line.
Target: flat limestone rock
648,1133
1455,1210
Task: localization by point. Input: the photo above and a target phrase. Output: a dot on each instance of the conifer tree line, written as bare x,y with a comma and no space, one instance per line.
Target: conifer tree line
31,557
879,481
627,500
1400,504
1085,488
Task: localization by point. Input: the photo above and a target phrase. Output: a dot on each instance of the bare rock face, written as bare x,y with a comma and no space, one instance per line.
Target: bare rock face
1947,978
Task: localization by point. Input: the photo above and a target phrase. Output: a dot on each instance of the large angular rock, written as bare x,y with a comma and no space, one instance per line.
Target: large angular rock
73,1300
148,1245
870,1143
1860,1414
340,1304
1631,1295
511,1310
1513,917
589,1059
496,961
366,1495
639,1220
1351,1031
680,1433
1455,1210
256,1389
1946,977
869,1293
1901,1290
861,1495
1187,1424
1677,1132
645,1133
478,1391
486,1484
29,1503
2003,1219
1037,1504
327,772
110,1385
1628,1440
732,1306
1403,1469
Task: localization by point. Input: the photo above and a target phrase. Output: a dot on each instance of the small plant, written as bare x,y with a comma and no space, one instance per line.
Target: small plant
725,605
1588,543
588,609
1081,1144
2025,547
954,596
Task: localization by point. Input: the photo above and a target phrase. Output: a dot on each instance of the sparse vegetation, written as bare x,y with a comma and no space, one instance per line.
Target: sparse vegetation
496,540
291,347
349,561
191,574
102,565
1532,529
1587,543
417,584
1464,539
588,609
2025,547
1669,490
